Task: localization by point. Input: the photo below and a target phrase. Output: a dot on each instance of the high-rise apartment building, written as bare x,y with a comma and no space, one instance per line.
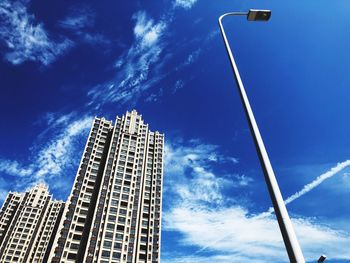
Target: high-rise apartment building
28,223
113,213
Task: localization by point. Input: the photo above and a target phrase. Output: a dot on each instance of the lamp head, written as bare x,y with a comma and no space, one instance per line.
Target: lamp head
258,15
321,259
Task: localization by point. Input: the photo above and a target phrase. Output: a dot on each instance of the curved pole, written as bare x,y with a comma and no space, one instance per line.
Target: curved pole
290,240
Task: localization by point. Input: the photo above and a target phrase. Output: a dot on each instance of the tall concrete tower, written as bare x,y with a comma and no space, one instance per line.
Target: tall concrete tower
113,213
28,223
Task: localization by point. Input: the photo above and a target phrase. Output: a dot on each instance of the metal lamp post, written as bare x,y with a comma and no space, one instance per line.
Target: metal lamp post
290,240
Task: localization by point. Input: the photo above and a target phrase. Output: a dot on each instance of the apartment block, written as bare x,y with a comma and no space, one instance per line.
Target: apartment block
28,223
114,211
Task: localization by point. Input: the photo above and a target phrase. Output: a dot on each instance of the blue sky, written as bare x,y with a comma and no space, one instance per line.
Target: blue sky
62,63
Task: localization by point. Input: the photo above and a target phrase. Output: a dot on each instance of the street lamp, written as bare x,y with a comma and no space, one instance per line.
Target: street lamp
290,240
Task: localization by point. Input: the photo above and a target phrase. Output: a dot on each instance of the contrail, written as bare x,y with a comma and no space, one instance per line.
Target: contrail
307,188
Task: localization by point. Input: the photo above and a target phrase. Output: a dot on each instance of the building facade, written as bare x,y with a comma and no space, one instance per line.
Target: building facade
113,213
28,223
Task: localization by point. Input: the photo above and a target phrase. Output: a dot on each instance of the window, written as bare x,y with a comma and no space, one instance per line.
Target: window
117,245
120,228
81,220
110,226
114,202
107,244
109,235
79,228
127,177
115,195
76,237
116,255
71,256
119,236
122,211
112,218
83,212
105,253
74,246
143,247
113,210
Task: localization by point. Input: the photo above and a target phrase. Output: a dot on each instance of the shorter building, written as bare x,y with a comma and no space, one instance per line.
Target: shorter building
28,223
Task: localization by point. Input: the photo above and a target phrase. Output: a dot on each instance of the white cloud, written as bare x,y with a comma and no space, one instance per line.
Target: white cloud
196,160
225,230
203,187
26,39
253,238
139,67
187,4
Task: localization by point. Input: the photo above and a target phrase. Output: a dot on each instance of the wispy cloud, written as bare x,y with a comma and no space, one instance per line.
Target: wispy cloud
146,63
187,4
179,84
78,19
51,161
3,189
180,154
139,67
57,154
192,57
81,22
232,231
243,180
25,38
14,168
